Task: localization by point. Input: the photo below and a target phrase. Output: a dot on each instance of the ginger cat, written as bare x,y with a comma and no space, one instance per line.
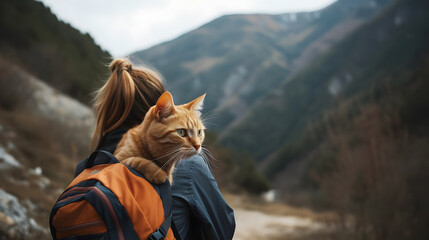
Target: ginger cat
167,134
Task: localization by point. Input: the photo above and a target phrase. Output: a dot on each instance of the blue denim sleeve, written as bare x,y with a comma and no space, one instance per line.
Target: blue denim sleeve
199,209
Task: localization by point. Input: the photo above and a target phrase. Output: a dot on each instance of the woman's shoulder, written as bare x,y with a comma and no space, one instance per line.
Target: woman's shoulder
192,171
194,160
194,164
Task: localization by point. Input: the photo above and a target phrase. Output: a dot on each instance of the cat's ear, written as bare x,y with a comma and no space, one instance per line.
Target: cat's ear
197,104
164,105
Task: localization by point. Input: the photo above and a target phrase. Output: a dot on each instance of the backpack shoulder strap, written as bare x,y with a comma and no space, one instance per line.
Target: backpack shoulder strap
175,232
164,191
96,155
95,159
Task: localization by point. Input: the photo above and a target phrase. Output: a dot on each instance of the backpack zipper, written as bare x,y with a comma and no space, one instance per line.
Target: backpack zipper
74,189
78,226
71,197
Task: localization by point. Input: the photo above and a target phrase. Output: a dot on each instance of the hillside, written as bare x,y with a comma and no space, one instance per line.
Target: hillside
238,59
350,131
33,38
43,131
43,134
385,51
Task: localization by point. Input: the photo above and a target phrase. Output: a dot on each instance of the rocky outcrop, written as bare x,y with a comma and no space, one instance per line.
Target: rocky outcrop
43,133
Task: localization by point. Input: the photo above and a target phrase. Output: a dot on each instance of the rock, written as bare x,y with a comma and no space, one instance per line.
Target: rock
7,230
14,215
6,221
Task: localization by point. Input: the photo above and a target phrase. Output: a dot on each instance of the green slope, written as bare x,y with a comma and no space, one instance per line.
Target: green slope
33,37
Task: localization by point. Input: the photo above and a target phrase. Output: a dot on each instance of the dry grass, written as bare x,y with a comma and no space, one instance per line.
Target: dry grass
202,64
379,176
37,143
35,140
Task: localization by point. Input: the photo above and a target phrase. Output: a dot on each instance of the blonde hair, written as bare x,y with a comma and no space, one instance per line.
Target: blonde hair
125,98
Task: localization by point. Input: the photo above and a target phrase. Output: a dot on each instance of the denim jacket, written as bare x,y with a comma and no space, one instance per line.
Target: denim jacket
199,209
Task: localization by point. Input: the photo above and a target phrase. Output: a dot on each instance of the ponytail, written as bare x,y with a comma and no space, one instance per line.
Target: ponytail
125,98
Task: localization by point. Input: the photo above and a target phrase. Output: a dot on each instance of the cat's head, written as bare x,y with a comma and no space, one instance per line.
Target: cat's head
175,131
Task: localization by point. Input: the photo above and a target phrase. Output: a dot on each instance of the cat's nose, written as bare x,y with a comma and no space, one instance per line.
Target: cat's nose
197,147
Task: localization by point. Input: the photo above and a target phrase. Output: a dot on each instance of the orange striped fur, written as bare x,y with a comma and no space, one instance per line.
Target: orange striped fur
167,134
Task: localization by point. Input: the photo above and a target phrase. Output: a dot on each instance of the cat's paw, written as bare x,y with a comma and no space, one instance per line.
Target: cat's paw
158,177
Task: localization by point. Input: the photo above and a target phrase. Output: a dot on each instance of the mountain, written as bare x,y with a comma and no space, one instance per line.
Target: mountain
237,59
383,63
33,38
350,130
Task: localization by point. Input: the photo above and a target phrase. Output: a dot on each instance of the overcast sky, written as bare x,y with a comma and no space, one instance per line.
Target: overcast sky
122,27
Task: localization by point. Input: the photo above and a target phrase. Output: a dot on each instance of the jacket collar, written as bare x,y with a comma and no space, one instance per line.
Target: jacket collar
111,139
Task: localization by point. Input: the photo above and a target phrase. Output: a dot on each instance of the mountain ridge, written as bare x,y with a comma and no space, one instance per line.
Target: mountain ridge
238,58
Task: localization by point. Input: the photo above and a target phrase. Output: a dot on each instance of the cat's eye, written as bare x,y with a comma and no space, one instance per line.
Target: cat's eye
181,132
200,132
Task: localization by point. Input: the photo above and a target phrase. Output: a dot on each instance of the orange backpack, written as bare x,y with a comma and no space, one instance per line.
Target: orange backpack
112,201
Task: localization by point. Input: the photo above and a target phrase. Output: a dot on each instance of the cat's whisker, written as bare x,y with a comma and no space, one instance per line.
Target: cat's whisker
180,154
169,153
212,124
172,154
168,161
204,149
207,156
174,157
208,123
208,162
205,120
206,117
209,114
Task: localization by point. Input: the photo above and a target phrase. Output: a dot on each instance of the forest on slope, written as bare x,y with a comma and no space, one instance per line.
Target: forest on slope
36,40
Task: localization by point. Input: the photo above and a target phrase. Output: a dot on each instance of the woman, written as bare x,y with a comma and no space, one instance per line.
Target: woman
199,209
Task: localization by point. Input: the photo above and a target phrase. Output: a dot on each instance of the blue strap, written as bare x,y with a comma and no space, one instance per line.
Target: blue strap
162,231
164,191
95,155
98,204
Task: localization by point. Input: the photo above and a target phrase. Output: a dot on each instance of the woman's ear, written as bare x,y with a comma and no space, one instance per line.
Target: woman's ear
164,105
197,104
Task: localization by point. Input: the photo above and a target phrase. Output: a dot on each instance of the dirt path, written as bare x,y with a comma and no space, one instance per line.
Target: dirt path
257,225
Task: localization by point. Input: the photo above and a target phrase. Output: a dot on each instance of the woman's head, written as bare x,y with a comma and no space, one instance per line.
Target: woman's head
125,98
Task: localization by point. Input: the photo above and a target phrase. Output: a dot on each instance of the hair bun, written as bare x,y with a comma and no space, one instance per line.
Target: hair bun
120,65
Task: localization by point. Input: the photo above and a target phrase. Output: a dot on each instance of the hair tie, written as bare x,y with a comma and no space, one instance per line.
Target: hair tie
120,65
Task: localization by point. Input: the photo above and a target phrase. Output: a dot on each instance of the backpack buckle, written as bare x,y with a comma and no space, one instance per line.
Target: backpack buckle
157,235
